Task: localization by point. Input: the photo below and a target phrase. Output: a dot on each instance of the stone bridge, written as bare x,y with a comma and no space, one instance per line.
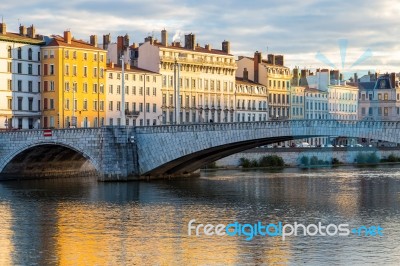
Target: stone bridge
121,153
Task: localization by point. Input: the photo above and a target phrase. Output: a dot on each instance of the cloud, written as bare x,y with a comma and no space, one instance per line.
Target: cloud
298,29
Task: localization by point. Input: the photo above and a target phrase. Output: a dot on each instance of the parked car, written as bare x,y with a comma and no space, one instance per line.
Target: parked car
304,145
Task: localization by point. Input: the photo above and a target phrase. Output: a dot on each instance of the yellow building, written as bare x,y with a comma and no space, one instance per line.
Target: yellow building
73,83
273,74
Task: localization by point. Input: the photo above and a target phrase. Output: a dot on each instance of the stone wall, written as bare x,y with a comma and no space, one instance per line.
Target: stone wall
292,156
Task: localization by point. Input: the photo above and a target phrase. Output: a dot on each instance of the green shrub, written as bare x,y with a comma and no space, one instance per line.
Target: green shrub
335,161
373,158
314,160
304,160
244,162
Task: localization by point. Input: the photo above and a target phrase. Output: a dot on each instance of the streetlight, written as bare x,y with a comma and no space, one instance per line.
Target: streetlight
122,110
176,91
144,97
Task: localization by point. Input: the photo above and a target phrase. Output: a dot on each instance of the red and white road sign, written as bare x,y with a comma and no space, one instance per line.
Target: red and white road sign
47,133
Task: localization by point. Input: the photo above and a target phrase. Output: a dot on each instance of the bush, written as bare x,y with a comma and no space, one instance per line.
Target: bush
304,160
392,158
314,160
335,161
244,162
265,161
371,158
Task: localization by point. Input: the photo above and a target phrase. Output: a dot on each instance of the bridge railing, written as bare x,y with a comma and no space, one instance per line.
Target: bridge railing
267,124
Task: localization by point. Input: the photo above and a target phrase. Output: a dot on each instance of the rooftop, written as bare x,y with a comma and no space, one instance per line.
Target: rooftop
197,49
247,82
131,69
60,41
16,37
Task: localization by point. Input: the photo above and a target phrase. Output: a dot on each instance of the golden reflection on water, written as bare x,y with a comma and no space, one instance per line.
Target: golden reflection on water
6,233
150,235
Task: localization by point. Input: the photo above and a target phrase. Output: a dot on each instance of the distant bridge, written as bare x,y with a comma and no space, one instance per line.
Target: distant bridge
120,153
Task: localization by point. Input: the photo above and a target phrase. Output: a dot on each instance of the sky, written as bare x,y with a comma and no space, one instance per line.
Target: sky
310,33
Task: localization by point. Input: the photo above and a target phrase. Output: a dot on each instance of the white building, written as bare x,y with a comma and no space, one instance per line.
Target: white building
343,102
205,78
19,78
142,96
251,101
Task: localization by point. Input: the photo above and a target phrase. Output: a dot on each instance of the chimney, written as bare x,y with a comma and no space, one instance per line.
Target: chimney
111,64
126,41
127,66
296,76
106,41
31,32
208,47
304,73
149,39
279,60
67,37
393,80
93,40
164,38
226,47
3,28
245,74
257,61
134,46
271,59
190,41
22,30
355,78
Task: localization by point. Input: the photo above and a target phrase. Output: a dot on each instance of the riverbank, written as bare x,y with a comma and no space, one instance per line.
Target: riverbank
292,157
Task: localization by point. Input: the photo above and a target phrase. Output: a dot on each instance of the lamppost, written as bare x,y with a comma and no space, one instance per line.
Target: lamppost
177,67
122,110
144,99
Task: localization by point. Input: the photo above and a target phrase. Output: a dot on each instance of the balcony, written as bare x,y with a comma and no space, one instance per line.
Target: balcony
133,114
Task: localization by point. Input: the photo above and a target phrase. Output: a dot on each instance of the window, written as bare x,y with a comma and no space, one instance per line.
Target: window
154,91
101,105
85,87
154,108
51,103
30,86
51,85
9,103
85,104
30,54
9,67
66,105
19,85
66,86
110,105
84,56
9,53
51,69
19,53
94,88
95,72
30,69
74,54
85,71
67,70
38,70
101,88
110,89
95,105
118,106
19,68
19,106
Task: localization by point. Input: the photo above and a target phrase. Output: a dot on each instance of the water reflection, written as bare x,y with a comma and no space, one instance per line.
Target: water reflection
82,222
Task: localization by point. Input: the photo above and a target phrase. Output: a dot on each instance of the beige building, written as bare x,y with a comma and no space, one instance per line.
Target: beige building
273,74
379,100
142,96
251,101
204,77
297,102
343,102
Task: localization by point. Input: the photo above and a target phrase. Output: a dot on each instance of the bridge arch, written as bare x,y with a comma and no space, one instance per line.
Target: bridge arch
178,149
47,158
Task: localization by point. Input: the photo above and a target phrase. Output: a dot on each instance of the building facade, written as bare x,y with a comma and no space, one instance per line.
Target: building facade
20,80
380,100
203,78
275,76
343,102
297,102
251,101
73,83
142,96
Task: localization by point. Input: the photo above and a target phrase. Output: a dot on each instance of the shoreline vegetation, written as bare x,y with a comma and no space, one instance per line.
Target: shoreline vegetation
276,162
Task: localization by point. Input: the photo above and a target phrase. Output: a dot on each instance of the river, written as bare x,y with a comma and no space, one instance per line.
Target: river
81,221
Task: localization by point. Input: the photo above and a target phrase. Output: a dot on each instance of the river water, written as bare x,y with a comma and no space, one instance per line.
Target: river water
83,222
